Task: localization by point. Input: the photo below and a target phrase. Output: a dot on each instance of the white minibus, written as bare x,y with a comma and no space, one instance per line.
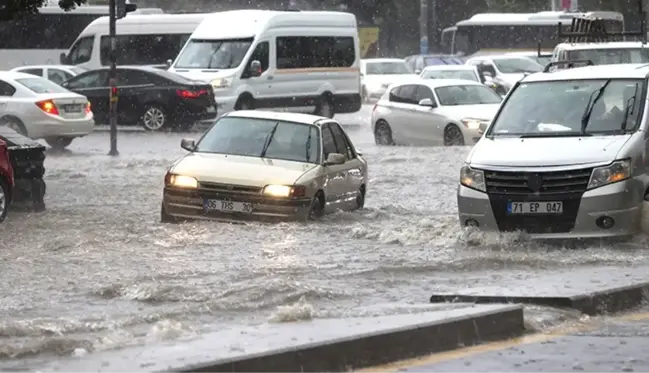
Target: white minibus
259,59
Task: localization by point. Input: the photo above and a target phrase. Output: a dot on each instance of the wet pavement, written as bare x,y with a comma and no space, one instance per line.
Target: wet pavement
97,270
616,344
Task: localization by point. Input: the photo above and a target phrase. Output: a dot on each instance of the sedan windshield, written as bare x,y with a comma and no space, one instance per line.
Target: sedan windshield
41,85
213,54
466,95
265,138
517,65
387,68
570,108
450,74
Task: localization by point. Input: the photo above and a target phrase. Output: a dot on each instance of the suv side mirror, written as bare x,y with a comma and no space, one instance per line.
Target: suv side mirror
255,69
188,144
427,102
334,159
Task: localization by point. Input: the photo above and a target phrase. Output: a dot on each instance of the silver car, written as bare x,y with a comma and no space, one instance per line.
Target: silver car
564,157
266,165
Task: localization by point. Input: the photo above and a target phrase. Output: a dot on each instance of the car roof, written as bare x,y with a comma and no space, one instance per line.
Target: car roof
131,67
500,57
449,67
283,116
605,45
13,75
437,83
619,71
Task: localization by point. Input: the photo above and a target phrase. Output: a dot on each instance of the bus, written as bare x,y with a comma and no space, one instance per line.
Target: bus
489,33
40,38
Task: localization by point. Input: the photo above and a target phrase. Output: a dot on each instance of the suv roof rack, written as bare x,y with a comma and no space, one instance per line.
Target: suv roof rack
570,64
593,30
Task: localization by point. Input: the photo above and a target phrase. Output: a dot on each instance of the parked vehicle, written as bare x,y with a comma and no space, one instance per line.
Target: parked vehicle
433,112
457,72
6,180
565,157
153,98
256,59
27,159
504,70
148,39
606,53
40,109
56,73
378,73
418,62
266,165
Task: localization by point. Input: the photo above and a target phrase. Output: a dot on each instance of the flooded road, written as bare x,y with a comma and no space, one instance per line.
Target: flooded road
97,270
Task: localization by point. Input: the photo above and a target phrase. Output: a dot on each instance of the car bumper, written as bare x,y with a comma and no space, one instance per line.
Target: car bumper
620,201
471,136
52,127
225,103
185,204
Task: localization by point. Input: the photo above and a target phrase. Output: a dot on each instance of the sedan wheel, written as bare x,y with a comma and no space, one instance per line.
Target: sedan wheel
453,136
59,143
154,119
383,134
4,202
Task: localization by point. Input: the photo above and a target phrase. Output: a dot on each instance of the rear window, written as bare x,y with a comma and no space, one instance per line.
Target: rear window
40,85
78,70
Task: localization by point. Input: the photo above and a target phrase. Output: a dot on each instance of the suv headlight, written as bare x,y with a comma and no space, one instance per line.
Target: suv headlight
472,178
616,171
222,82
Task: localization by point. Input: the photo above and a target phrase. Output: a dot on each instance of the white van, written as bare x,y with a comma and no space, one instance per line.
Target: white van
261,59
141,40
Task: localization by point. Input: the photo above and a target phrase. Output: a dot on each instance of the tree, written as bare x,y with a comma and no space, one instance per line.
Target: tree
14,9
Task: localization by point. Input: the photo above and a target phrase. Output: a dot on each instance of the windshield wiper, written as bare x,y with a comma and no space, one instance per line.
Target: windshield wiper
308,146
554,134
268,139
628,110
597,94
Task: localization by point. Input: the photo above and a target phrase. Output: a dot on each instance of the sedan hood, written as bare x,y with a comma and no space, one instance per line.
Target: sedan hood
239,170
549,151
459,112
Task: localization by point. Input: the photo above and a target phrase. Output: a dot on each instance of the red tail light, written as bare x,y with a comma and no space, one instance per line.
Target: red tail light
184,93
88,108
48,106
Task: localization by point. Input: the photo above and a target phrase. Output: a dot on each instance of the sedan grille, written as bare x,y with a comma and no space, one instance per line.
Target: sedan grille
229,188
538,183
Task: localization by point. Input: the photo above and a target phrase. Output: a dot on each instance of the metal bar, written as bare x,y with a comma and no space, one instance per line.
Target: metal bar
112,79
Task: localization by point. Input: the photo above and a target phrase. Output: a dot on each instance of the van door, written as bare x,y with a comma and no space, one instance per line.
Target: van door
260,86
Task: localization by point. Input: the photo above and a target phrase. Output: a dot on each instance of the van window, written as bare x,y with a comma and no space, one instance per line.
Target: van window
213,54
143,49
261,54
81,51
294,52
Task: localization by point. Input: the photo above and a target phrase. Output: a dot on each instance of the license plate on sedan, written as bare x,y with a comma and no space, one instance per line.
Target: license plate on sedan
529,208
73,108
227,206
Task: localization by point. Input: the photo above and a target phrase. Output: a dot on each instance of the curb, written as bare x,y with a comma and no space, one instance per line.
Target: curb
378,348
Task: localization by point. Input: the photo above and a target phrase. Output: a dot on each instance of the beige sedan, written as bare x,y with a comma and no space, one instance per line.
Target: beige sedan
254,165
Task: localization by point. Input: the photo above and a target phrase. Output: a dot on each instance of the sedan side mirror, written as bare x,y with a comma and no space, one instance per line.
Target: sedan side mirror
169,62
255,69
427,102
335,158
188,144
62,59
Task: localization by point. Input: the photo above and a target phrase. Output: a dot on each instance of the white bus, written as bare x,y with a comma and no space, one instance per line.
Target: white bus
41,38
141,40
260,59
488,33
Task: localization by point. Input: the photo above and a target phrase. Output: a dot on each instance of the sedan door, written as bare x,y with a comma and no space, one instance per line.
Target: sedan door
353,168
93,85
335,175
429,124
402,108
135,90
410,129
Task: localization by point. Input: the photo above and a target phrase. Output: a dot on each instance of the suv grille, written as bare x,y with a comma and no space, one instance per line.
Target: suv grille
538,183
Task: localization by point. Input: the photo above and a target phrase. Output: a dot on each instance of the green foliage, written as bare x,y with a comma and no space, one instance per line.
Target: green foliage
14,9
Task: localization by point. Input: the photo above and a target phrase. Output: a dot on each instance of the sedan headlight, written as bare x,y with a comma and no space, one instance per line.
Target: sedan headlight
284,191
222,82
616,171
181,181
472,178
472,123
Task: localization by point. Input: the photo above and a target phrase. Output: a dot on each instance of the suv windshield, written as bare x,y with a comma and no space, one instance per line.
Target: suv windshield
466,95
265,138
213,54
387,68
570,107
450,74
517,65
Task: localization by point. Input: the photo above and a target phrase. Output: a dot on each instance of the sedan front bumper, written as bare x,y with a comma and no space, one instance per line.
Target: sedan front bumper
190,204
